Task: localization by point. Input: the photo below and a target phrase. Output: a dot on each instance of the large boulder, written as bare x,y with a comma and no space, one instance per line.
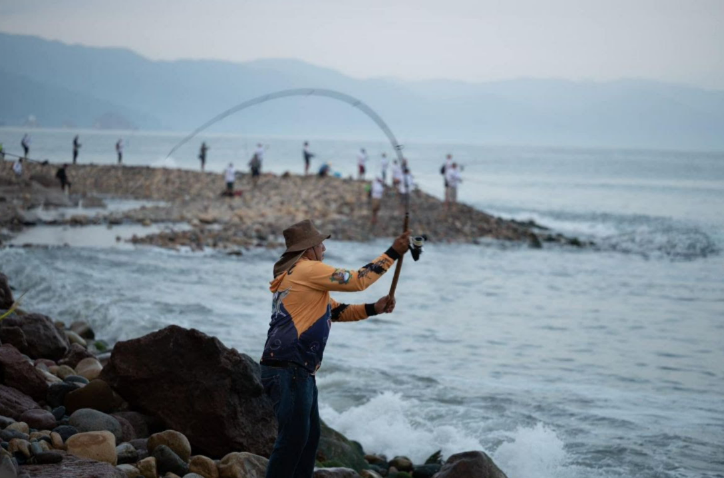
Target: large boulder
73,467
333,446
14,402
470,464
196,386
17,372
44,339
6,295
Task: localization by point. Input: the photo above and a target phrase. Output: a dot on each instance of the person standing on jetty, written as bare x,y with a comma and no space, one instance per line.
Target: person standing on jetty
452,180
230,176
308,155
63,178
25,143
76,148
119,150
361,162
302,315
202,155
396,174
18,168
444,169
384,163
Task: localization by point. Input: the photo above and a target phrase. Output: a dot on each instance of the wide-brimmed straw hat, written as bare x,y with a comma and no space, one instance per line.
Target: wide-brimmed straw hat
298,237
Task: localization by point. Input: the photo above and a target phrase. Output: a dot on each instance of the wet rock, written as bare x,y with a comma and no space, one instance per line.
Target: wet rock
402,463
19,426
89,368
44,339
224,409
126,453
167,460
7,468
75,354
13,336
193,475
17,372
204,466
6,294
83,329
174,440
426,471
57,392
76,379
369,474
57,441
14,403
75,339
65,431
9,434
46,458
99,446
58,412
88,420
143,425
39,419
335,473
97,395
127,431
243,464
5,421
470,464
18,445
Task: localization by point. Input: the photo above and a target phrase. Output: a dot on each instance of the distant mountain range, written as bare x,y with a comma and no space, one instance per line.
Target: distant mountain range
71,85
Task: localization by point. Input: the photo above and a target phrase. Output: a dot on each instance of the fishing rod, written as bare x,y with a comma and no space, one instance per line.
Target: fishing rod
335,95
39,161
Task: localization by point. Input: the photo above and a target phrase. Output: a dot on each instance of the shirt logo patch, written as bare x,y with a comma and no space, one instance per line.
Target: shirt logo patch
340,275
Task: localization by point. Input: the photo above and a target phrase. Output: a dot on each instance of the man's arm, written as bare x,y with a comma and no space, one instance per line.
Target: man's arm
353,313
322,276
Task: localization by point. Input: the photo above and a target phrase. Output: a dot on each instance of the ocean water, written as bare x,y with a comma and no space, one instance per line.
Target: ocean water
560,362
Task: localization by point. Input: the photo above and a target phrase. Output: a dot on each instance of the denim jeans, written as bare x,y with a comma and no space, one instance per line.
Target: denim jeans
293,391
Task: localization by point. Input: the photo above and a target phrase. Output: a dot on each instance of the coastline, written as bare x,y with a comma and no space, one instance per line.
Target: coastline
254,218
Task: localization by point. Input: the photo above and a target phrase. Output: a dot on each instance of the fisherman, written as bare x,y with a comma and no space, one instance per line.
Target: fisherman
384,162
119,150
76,148
444,168
25,143
230,177
378,191
361,162
324,170
452,180
259,152
18,168
406,185
63,178
202,155
302,315
255,165
308,155
2,153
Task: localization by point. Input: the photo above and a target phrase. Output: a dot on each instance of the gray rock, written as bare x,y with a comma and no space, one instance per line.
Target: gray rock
89,420
76,379
35,448
59,412
192,475
426,471
5,421
126,454
65,431
7,435
167,460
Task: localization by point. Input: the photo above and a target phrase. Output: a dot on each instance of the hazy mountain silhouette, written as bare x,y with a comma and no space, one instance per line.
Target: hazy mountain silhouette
61,83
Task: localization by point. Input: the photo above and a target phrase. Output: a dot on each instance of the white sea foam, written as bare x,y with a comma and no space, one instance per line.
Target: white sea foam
392,425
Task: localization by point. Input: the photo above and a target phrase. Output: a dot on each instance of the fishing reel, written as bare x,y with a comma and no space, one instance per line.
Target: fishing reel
416,244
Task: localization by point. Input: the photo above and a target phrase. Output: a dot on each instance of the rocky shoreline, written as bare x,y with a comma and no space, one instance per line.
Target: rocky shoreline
254,218
175,403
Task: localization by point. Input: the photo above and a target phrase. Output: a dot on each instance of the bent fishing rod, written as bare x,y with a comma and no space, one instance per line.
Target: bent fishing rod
335,95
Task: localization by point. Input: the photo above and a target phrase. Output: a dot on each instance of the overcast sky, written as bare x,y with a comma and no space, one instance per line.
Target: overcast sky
472,40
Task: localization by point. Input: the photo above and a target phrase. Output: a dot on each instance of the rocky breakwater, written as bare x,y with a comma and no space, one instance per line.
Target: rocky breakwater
174,403
257,216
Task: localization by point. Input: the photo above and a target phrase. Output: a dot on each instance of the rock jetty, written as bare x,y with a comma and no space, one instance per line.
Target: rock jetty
254,217
173,404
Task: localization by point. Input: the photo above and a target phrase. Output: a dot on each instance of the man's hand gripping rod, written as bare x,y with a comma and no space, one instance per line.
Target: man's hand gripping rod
398,267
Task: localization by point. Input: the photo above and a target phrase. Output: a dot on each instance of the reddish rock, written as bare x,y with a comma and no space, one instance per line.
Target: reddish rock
196,386
13,336
44,339
470,464
14,402
39,419
75,354
17,372
96,395
73,467
127,431
143,425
